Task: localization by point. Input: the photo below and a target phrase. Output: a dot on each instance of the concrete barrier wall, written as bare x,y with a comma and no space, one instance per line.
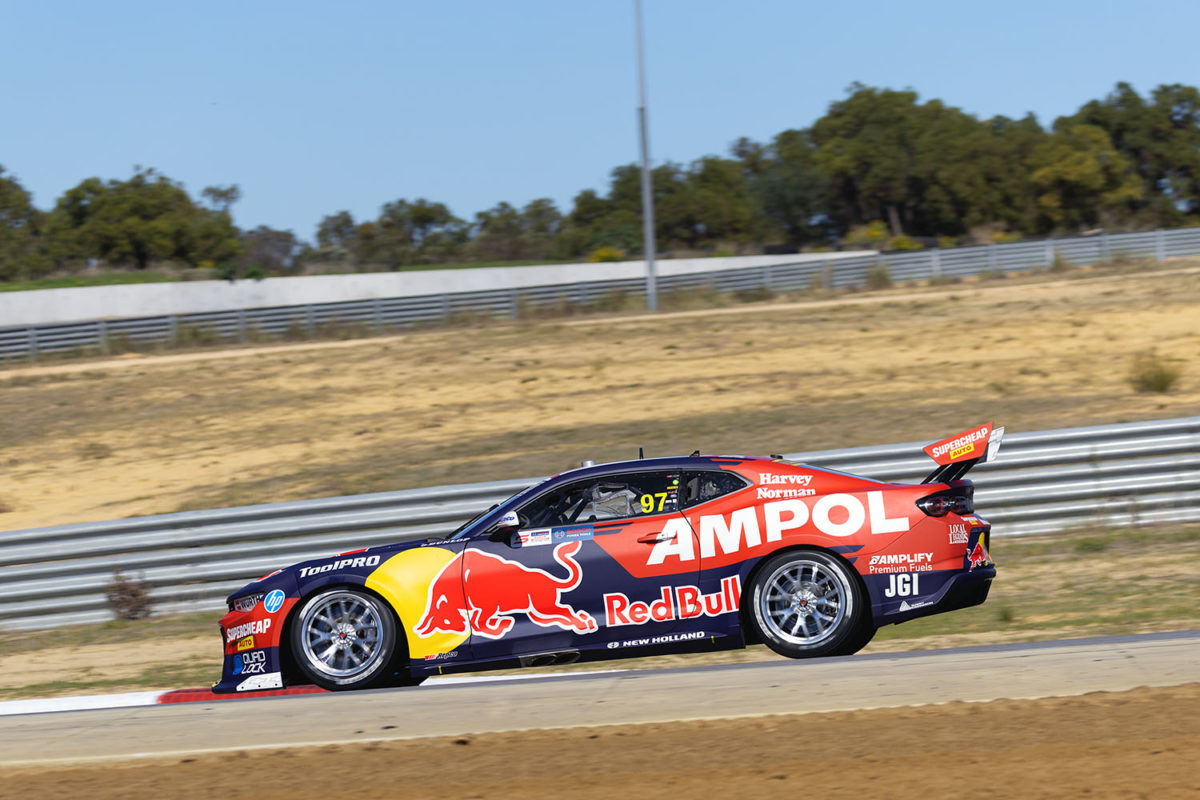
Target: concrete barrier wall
51,306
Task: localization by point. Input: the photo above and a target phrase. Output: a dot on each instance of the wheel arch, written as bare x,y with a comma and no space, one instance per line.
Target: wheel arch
287,659
748,633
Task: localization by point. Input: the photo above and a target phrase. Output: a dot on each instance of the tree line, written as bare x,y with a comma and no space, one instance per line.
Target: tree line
880,168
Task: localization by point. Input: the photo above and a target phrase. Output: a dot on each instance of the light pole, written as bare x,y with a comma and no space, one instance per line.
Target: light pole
647,188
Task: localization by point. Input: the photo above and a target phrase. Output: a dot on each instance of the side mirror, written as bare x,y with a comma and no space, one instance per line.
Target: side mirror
508,520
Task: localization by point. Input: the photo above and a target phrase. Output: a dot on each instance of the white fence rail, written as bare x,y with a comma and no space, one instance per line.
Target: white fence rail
838,271
1129,474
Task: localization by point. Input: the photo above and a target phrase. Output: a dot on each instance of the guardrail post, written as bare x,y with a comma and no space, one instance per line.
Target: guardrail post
1160,245
241,325
377,311
1106,246
1049,255
102,335
310,322
514,303
993,260
173,329
935,264
31,343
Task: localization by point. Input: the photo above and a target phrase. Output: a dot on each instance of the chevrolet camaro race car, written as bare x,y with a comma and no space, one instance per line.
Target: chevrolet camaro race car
628,559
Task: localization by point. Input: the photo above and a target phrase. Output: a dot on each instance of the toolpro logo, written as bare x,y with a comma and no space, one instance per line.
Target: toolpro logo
479,593
344,563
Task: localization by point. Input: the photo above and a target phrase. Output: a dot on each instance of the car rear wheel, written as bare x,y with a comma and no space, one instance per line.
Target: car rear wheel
806,603
344,638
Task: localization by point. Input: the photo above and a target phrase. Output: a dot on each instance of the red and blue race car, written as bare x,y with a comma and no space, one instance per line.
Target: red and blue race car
629,559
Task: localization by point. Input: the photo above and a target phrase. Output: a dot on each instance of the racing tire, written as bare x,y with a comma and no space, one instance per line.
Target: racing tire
344,638
806,604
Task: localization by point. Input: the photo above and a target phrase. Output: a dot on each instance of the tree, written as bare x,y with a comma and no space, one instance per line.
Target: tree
21,251
135,222
266,251
1161,140
788,190
1080,178
221,198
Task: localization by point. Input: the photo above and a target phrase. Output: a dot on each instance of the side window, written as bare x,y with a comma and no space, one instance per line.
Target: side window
636,494
700,487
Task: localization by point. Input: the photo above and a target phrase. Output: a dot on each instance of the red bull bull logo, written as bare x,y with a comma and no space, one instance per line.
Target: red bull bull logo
478,593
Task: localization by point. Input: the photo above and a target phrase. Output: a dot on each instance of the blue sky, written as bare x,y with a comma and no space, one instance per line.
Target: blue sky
317,107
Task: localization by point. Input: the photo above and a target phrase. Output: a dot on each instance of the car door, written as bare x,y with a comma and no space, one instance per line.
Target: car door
575,572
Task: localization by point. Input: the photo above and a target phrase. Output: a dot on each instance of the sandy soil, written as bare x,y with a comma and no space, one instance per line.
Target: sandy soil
1142,743
91,441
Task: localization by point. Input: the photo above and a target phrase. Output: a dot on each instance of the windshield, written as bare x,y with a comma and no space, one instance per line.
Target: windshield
464,530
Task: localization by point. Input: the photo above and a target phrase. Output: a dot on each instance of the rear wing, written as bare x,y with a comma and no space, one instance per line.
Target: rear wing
956,455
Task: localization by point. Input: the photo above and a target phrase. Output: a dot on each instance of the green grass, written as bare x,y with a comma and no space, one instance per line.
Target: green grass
75,281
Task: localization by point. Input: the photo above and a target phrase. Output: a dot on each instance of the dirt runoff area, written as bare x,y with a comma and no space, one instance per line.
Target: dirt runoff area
88,441
1143,743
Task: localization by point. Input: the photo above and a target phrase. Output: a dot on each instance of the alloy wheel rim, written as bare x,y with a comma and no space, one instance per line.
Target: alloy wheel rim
804,602
342,634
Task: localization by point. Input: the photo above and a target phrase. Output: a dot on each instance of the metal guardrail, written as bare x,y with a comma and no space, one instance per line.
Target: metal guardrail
27,342
1129,474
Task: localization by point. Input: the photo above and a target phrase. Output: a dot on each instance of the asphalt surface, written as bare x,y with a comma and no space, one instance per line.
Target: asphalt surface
1045,669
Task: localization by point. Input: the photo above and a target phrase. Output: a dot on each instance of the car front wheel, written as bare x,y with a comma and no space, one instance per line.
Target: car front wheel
806,603
343,638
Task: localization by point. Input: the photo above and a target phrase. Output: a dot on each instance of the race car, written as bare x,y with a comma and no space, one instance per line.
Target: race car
628,559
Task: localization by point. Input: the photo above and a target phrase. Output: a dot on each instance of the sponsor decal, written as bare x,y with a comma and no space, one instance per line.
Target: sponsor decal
251,663
903,584
776,479
666,638
440,656
534,538
767,493
979,557
907,606
837,515
685,602
973,520
900,562
572,533
966,445
273,601
245,643
270,680
246,629
958,534
544,536
343,563
481,594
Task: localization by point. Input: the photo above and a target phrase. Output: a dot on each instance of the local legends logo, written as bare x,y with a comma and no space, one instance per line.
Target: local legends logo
685,602
838,515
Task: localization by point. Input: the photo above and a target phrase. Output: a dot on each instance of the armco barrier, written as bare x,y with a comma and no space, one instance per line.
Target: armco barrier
385,313
1046,481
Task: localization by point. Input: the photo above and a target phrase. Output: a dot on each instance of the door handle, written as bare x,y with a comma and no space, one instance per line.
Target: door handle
655,538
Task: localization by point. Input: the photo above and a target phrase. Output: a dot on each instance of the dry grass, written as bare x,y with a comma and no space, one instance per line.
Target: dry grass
91,441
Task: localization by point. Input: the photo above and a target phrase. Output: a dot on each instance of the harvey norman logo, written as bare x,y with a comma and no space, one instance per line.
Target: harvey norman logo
742,529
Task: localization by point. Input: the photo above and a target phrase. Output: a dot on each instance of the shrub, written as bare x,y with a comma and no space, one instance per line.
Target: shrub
606,253
947,241
878,277
1150,373
904,242
129,598
873,234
